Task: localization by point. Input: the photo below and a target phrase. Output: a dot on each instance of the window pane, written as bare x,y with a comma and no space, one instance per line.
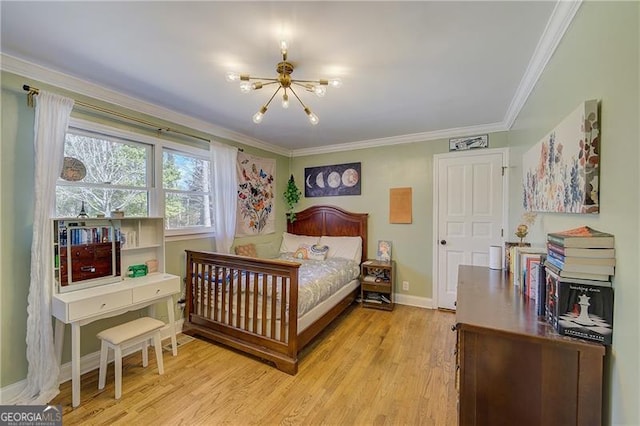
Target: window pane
109,162
100,200
184,173
187,211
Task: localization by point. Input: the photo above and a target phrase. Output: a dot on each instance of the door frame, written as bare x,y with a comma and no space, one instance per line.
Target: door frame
436,193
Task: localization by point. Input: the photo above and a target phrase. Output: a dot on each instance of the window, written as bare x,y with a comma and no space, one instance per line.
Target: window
117,176
140,175
186,180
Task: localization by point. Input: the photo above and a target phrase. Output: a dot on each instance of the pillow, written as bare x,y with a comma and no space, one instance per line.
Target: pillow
291,242
314,252
247,250
347,247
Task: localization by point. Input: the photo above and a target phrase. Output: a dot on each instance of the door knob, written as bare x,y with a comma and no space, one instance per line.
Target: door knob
443,242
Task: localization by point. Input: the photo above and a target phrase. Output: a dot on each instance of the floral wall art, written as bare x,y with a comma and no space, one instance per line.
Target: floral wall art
561,172
256,189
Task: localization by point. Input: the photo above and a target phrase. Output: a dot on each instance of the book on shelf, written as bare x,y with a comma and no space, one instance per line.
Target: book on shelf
579,275
371,297
528,261
585,311
508,264
540,275
591,253
554,275
517,267
572,260
584,268
584,237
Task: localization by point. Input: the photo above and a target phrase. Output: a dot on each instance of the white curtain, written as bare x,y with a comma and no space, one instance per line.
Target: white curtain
225,191
51,122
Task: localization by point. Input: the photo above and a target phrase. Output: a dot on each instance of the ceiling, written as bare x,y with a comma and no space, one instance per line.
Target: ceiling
410,70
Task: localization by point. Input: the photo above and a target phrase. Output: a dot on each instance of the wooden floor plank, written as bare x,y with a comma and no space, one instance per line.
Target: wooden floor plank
368,367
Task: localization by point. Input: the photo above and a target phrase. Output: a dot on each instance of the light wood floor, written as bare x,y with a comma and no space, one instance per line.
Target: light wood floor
368,368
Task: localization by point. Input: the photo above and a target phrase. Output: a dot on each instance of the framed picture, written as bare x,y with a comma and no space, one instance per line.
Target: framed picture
338,179
470,142
384,251
561,173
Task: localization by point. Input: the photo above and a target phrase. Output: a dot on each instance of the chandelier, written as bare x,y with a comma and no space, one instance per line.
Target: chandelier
285,83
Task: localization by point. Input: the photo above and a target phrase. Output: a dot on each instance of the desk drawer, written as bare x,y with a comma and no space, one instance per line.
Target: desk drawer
97,305
156,289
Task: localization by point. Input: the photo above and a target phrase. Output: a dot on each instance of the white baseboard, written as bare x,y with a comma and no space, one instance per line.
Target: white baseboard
420,302
88,363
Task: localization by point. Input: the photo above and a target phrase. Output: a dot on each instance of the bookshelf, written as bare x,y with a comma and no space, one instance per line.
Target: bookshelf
377,281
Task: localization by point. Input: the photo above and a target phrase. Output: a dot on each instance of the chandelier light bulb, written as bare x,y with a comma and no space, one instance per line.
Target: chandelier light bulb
283,46
285,101
320,91
258,116
246,86
313,119
335,82
232,76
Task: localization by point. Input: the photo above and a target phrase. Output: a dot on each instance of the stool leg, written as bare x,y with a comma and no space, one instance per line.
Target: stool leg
157,343
102,376
145,353
118,364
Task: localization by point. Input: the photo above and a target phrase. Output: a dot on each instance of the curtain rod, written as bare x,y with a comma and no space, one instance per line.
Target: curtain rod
34,91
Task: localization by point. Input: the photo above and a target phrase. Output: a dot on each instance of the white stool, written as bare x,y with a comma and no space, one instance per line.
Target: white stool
138,331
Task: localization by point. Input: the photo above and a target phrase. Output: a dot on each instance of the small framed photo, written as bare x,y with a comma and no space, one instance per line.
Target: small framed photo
384,251
470,142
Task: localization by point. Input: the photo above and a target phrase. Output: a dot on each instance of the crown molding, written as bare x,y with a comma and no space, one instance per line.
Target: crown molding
559,21
82,87
404,139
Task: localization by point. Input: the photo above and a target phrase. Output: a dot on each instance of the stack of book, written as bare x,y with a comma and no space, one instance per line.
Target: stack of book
579,302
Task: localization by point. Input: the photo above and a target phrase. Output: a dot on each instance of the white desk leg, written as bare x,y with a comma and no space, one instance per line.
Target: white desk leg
75,363
59,339
172,325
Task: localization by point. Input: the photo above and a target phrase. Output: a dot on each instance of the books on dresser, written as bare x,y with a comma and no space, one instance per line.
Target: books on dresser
590,253
589,268
583,236
579,295
580,308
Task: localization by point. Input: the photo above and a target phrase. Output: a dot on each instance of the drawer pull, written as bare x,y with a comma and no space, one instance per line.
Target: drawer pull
103,305
157,291
88,268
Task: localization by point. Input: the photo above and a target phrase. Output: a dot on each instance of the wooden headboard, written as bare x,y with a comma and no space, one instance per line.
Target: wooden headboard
331,221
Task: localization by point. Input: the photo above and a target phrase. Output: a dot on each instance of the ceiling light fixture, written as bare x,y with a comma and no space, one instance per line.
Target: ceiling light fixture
285,83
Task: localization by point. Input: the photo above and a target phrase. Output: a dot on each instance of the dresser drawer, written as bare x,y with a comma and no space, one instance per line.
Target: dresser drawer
97,305
157,289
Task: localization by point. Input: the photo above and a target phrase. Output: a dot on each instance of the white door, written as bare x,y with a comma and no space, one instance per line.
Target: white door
469,209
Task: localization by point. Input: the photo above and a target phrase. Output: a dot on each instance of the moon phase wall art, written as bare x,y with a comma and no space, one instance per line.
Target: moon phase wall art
326,181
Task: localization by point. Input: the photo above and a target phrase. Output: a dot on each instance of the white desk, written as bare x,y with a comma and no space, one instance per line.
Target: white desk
82,307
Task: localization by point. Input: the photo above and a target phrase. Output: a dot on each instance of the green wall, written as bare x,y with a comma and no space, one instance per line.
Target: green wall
598,59
382,168
16,211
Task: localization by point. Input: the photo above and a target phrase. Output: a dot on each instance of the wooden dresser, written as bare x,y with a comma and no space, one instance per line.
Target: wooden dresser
513,368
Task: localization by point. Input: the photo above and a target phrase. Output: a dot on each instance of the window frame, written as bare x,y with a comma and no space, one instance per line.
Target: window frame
156,192
187,151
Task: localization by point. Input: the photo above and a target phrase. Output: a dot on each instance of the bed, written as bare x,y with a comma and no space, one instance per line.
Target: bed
256,305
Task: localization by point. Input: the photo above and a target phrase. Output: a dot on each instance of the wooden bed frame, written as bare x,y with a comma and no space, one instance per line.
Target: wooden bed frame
240,319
